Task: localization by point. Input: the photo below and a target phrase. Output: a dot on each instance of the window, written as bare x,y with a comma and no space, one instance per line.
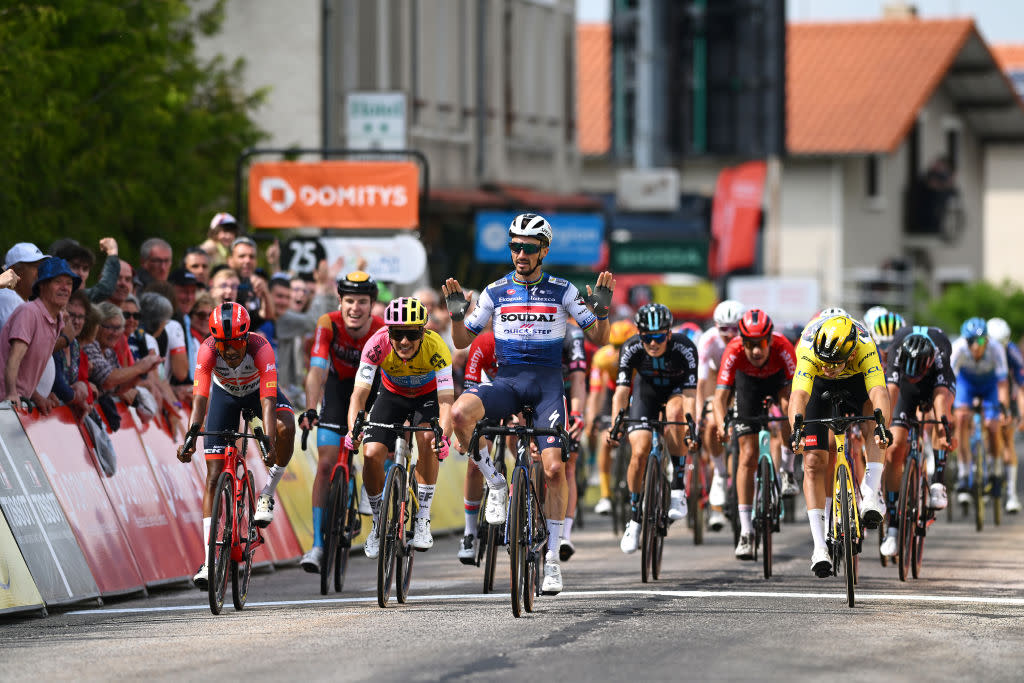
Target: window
953,148
872,182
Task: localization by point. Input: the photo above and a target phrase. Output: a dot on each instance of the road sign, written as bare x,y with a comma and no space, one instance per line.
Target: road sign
677,256
376,120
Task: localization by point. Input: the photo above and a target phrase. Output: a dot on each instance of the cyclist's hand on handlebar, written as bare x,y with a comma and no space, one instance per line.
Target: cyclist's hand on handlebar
455,299
186,450
575,425
308,419
883,437
442,448
796,442
352,444
612,439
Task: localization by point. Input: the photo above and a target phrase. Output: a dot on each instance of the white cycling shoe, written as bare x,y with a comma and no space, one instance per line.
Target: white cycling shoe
631,538
310,562
716,494
677,508
789,487
872,509
745,548
888,546
264,510
467,549
202,578
1013,504
552,584
422,539
821,563
937,496
603,507
716,520
372,545
495,512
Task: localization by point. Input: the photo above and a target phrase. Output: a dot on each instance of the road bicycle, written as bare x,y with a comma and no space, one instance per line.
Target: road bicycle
620,489
655,497
697,490
342,523
914,515
985,478
526,534
490,536
399,505
845,536
234,536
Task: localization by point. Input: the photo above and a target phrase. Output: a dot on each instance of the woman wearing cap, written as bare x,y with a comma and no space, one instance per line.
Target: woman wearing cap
223,231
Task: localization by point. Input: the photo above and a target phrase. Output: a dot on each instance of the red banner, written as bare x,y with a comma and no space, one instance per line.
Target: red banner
736,218
75,478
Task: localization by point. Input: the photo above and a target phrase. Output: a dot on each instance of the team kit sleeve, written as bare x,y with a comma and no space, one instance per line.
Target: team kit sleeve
727,368
627,354
477,320
475,361
266,364
689,350
1002,370
869,365
373,354
788,355
573,302
205,360
704,354
319,356
806,370
577,352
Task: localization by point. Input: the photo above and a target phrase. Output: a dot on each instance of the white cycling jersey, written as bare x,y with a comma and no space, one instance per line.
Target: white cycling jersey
710,347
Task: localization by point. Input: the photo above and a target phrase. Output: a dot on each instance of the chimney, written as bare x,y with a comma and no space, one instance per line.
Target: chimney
899,10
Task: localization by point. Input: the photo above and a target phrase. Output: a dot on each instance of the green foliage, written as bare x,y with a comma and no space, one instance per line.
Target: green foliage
113,126
983,299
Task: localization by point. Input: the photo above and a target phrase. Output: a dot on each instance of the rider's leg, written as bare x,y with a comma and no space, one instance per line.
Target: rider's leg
816,472
374,455
604,463
745,469
572,494
328,442
285,445
426,473
556,496
640,445
895,458
963,453
675,444
473,492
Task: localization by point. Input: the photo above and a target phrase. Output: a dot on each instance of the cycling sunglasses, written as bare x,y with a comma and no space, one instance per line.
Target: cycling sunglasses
411,335
834,366
530,249
980,340
729,329
237,344
753,343
654,337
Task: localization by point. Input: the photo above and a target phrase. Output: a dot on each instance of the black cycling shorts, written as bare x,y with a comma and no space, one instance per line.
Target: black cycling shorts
818,434
224,413
647,402
394,409
750,393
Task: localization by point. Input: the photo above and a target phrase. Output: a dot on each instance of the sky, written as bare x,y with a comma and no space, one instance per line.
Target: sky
1000,21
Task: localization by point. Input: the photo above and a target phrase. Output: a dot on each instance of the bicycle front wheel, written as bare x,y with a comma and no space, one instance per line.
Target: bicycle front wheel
518,538
648,517
333,523
490,539
218,553
660,524
918,552
247,537
764,497
978,489
389,527
846,529
907,517
406,553
694,500
351,526
620,492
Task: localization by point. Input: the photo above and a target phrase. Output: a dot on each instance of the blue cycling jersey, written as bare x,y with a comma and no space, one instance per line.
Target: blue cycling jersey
1015,363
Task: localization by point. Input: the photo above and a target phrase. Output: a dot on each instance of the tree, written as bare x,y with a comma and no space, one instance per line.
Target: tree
981,299
112,125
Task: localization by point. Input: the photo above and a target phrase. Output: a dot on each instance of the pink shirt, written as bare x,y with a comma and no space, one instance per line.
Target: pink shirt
32,324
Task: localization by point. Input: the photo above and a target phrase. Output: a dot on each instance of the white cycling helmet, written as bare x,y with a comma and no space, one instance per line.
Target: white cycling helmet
999,330
832,312
729,312
873,314
531,225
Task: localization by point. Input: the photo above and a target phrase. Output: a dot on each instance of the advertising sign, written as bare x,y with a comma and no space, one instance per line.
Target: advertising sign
334,194
577,238
679,256
793,299
18,591
736,217
376,120
648,189
400,259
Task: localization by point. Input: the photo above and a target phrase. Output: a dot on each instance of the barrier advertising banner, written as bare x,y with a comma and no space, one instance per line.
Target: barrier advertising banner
18,592
295,490
72,471
37,521
281,541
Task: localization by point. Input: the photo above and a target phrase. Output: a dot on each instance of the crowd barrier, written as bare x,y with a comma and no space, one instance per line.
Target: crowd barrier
70,533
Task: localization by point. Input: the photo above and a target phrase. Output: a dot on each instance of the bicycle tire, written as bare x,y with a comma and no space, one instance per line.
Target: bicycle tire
241,571
536,532
918,551
578,521
333,520
648,521
732,510
386,528
620,491
406,553
661,524
518,527
998,475
978,489
907,518
218,552
490,539
766,511
351,529
846,529
694,501
881,537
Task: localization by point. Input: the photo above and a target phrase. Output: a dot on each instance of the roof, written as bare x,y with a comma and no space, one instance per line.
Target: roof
1009,57
594,85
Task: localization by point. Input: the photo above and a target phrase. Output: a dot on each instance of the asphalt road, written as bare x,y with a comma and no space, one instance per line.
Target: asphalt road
709,617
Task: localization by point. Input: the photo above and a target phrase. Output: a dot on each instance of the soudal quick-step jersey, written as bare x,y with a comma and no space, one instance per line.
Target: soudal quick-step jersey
529,318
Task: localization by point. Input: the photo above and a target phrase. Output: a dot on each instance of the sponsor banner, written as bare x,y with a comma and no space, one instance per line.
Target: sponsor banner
18,591
37,520
334,194
736,217
295,489
71,468
785,298
577,238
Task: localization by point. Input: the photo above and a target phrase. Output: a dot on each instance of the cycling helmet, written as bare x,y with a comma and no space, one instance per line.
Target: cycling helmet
885,327
836,339
620,331
755,324
531,225
916,355
832,312
999,330
405,310
872,314
973,327
691,330
793,332
653,317
357,282
728,313
230,320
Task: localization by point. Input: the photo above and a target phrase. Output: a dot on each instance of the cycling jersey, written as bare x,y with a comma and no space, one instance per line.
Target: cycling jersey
1015,363
574,357
863,361
603,367
675,369
529,318
991,367
256,372
710,347
481,360
430,369
335,348
781,358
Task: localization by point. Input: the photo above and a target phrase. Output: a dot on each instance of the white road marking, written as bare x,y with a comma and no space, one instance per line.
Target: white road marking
481,597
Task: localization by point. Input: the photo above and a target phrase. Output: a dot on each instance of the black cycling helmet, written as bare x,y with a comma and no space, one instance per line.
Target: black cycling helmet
357,282
653,317
916,356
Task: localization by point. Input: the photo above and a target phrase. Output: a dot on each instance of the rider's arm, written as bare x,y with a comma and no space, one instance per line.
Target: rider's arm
726,381
942,401
269,417
444,409
798,400
577,391
199,404
720,403
315,379
463,332
879,397
360,392
319,361
620,399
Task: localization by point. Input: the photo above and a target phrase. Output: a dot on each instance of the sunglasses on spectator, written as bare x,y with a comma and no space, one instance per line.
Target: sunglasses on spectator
76,316
134,316
113,328
411,335
530,249
654,337
200,314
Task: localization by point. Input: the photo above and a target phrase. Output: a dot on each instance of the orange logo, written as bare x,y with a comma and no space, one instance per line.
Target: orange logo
334,194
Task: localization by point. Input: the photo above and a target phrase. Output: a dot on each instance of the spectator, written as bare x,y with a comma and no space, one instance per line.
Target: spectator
144,344
72,377
139,342
24,259
157,257
185,286
302,292
224,285
82,259
197,262
27,340
439,321
252,289
223,231
9,279
197,329
155,311
125,284
106,370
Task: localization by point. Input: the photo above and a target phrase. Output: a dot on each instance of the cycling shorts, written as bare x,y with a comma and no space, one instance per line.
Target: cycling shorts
646,403
911,397
988,392
750,393
818,434
224,412
519,385
393,408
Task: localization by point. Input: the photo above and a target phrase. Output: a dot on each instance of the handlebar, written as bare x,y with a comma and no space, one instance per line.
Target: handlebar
486,430
837,424
622,419
361,423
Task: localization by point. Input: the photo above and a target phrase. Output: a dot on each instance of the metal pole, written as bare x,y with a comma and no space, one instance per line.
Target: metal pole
643,137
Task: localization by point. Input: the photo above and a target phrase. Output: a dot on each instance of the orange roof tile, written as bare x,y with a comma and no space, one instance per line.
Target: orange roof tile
593,88
1009,57
857,87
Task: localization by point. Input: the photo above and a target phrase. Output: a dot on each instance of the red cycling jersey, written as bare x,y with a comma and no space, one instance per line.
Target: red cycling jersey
335,348
256,372
781,357
481,358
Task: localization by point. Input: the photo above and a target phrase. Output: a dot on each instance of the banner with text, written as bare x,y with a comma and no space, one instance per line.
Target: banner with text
18,592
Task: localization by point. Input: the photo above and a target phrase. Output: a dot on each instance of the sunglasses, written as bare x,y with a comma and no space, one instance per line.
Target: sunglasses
236,344
729,329
76,316
834,366
654,338
530,249
755,343
133,316
411,335
980,340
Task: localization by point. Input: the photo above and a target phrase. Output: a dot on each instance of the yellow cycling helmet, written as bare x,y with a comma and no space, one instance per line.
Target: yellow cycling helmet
620,331
835,340
405,311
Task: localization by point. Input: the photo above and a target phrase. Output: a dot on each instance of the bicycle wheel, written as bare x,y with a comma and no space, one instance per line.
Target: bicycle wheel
978,488
907,517
333,521
731,500
694,500
390,530
648,519
406,553
997,492
518,537
351,528
581,490
881,537
660,524
247,535
846,530
918,552
490,540
620,492
764,498
218,554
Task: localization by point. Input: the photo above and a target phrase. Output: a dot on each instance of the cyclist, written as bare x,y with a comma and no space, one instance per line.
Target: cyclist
710,346
604,366
529,310
999,330
666,376
415,375
756,365
919,378
981,372
236,370
836,353
873,314
337,344
883,329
